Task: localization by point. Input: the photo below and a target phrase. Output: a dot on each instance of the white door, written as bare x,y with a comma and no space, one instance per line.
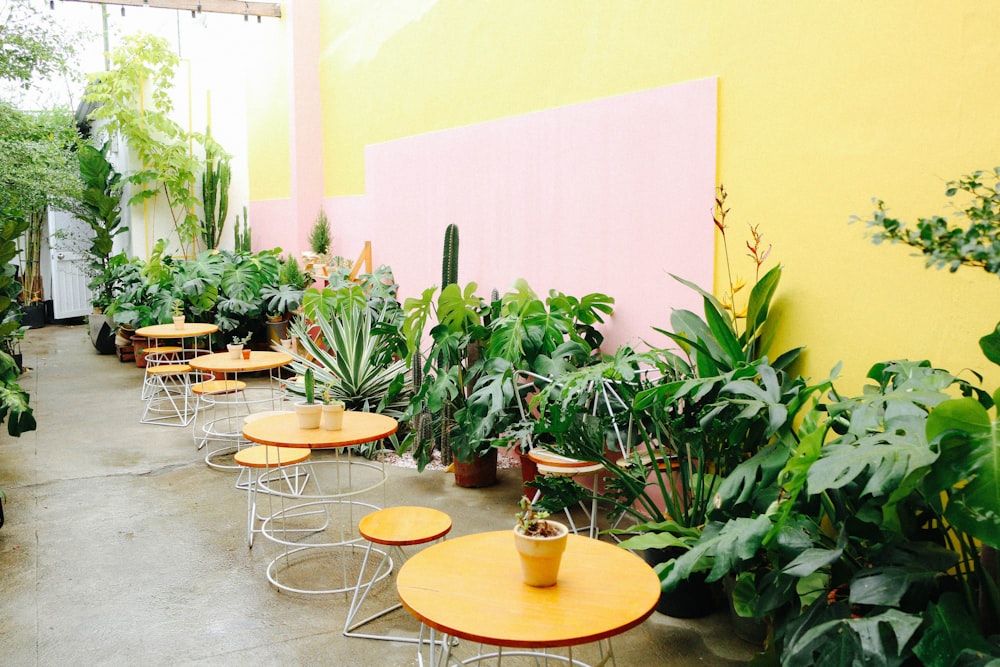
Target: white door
70,296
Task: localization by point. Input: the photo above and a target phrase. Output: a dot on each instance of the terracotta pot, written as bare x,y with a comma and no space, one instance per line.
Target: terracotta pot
541,556
139,345
480,472
529,471
246,354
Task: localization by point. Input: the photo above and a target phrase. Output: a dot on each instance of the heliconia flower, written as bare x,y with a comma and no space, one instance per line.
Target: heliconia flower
739,284
727,304
720,211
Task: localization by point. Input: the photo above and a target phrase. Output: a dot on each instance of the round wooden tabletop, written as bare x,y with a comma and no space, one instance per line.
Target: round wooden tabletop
260,360
190,330
470,587
283,430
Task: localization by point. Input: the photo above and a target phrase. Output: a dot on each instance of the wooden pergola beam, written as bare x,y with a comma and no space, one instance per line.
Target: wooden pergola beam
270,9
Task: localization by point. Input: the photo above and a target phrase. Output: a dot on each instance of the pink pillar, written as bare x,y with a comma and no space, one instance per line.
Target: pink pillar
286,224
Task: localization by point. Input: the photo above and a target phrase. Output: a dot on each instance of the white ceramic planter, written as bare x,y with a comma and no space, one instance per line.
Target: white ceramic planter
541,556
235,351
179,322
333,417
309,414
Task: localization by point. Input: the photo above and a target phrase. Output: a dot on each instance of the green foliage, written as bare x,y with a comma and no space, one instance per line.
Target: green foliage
100,208
530,520
945,244
14,406
222,287
354,348
851,534
475,350
37,164
319,236
241,233
309,384
143,67
214,193
34,47
293,275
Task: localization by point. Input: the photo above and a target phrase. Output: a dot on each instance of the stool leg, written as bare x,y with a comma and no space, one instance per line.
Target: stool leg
361,593
251,506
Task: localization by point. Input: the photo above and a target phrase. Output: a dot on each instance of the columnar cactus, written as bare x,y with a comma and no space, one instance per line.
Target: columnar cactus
449,262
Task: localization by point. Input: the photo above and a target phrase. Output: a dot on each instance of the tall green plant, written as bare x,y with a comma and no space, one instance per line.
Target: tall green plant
241,233
101,210
319,235
214,193
858,544
449,257
143,68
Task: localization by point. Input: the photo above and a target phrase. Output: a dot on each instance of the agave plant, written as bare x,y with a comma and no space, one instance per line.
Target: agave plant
354,353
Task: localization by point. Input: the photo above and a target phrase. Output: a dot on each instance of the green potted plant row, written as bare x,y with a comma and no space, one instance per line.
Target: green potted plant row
466,388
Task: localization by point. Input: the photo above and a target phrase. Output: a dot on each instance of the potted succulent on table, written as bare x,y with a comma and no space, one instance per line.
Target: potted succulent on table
332,412
540,543
236,347
309,411
177,311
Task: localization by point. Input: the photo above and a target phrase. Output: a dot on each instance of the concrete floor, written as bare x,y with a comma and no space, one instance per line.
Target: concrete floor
122,547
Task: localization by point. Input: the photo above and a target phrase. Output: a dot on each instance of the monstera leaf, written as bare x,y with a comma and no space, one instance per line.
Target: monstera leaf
971,447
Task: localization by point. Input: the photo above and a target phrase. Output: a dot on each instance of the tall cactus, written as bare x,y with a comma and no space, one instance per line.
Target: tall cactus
214,192
449,262
241,233
449,276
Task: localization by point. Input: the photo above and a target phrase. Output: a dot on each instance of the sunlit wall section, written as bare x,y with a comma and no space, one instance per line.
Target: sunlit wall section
822,106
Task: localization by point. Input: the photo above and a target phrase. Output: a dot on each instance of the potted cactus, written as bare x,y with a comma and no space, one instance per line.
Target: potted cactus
309,411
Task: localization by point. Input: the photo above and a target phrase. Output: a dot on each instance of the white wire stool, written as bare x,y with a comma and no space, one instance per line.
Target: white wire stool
268,467
394,528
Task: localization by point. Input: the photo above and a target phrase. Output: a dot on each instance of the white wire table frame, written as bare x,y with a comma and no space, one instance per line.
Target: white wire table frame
317,529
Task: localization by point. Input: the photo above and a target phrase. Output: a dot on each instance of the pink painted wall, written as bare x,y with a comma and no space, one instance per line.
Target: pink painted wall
608,196
286,223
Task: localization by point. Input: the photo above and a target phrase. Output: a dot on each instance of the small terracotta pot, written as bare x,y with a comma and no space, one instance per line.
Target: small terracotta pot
480,472
246,354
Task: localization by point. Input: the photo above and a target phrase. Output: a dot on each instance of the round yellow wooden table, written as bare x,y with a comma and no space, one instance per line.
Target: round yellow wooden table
470,587
284,431
189,330
334,503
231,400
260,360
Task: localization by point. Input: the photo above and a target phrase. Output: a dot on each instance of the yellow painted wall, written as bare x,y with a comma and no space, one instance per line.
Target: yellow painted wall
821,107
268,111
